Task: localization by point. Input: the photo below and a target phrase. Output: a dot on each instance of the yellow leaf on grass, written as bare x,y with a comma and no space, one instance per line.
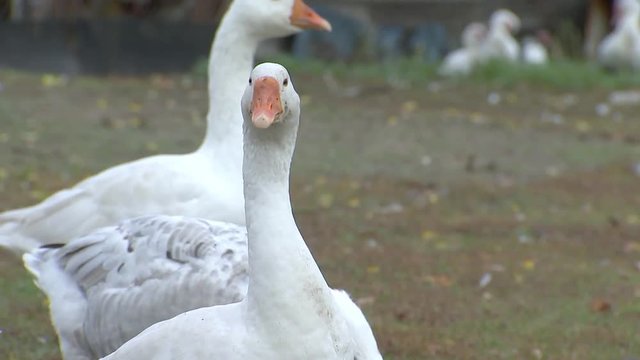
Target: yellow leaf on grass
428,235
102,103
51,80
136,122
529,264
151,146
439,280
632,219
409,106
354,202
583,126
373,269
325,200
135,106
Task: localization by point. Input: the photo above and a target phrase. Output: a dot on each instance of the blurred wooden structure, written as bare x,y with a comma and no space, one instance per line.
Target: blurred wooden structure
454,13
363,29
173,10
598,24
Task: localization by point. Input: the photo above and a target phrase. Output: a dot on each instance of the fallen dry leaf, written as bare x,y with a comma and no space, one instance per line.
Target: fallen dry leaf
439,280
600,305
354,202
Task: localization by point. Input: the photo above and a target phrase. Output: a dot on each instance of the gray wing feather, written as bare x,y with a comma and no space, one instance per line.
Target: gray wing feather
151,268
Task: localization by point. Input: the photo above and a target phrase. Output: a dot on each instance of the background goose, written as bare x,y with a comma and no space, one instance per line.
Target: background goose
289,312
534,52
621,49
462,61
205,183
499,42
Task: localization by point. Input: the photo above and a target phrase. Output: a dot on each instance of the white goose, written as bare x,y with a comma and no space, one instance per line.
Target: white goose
499,42
534,52
289,312
620,50
205,183
463,60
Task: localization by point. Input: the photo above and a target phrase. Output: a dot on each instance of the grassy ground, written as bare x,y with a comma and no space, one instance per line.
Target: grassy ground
492,218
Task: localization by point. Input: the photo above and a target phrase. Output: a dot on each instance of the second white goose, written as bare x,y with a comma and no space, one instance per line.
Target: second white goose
205,183
620,50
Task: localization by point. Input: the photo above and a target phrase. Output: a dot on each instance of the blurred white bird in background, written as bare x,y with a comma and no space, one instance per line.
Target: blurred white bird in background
620,50
463,60
534,50
499,43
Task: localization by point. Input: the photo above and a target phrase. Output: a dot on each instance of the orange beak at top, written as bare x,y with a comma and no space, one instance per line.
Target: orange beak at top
305,17
266,105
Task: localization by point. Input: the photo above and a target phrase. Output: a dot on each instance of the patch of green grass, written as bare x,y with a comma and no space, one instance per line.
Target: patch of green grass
561,74
24,323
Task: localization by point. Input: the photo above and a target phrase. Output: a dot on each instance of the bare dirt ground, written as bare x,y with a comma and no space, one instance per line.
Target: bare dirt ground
469,222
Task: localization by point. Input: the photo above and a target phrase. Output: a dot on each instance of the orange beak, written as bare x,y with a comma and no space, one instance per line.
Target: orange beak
265,105
305,17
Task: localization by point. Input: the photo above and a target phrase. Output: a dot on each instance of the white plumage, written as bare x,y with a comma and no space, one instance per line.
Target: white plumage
463,60
533,52
499,42
620,50
206,183
108,286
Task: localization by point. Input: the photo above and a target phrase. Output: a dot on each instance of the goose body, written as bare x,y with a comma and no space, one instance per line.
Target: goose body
206,183
462,61
533,52
620,50
499,43
289,311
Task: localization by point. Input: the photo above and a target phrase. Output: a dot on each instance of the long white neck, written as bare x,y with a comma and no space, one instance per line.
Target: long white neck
230,64
630,20
286,289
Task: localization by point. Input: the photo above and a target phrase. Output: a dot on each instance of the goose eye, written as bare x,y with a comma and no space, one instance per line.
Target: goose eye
285,82
250,81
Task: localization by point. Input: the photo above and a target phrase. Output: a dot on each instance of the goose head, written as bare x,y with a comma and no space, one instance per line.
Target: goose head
625,8
505,20
270,98
473,34
278,18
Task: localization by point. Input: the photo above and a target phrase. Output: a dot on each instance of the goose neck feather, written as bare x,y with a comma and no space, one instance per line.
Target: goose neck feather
230,61
286,288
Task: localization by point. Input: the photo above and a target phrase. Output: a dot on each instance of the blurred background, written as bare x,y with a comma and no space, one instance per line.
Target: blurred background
103,36
492,214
